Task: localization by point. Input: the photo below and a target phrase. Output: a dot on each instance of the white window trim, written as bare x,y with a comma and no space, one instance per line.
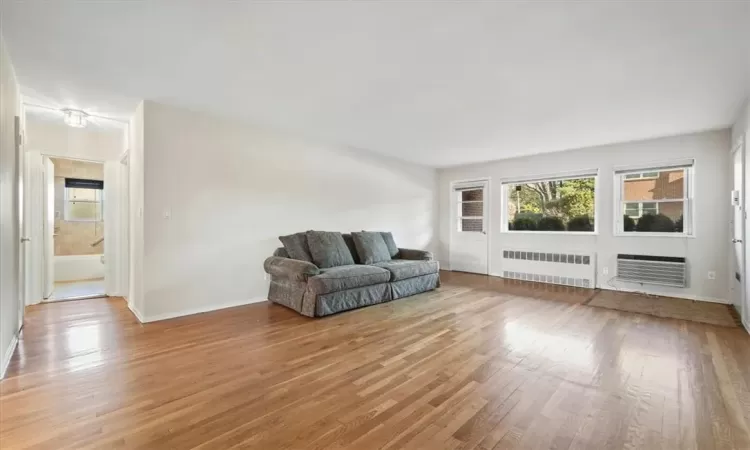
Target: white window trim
66,208
641,177
640,207
552,177
688,189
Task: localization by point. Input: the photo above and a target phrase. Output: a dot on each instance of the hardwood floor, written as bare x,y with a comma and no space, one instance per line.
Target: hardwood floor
479,364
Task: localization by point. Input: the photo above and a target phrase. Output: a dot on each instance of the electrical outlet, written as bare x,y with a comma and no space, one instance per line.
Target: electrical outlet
605,270
711,275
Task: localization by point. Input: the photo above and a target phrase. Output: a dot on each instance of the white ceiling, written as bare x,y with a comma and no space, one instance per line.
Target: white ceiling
440,83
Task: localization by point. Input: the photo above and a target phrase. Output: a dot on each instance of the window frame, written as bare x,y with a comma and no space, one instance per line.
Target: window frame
68,200
642,177
551,177
640,206
688,200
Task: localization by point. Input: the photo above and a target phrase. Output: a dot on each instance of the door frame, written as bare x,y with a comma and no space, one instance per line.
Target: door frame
744,306
117,259
452,213
48,240
124,273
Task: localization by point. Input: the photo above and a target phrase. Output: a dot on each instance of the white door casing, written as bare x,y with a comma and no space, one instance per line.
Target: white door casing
737,283
125,228
469,247
115,233
48,268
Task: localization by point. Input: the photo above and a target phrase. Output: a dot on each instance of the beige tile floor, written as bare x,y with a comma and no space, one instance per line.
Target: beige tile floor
68,290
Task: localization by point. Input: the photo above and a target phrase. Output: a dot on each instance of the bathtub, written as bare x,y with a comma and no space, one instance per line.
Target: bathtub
79,267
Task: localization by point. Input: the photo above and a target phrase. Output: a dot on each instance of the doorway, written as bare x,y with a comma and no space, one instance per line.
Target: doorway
469,248
74,228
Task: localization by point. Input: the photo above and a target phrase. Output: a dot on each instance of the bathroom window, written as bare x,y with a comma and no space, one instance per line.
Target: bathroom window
84,200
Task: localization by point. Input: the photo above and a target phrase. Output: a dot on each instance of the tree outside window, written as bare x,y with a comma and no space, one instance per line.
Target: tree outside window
553,205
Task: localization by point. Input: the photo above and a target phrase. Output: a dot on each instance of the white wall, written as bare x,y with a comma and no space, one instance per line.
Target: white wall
57,139
707,251
742,124
230,190
9,208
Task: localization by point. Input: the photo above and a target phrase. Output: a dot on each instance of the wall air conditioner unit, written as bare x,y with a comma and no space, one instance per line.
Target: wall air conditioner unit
568,269
646,269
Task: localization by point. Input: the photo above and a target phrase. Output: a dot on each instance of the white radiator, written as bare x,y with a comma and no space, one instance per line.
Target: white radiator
569,269
645,269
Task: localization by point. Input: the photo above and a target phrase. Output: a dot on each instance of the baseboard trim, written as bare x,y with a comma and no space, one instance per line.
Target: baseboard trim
747,326
190,312
8,355
136,313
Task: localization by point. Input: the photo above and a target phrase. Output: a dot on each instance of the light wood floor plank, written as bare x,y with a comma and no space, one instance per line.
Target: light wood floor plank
481,363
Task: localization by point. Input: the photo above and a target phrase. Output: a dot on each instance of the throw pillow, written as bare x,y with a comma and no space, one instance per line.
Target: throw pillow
390,243
371,247
328,249
352,248
296,246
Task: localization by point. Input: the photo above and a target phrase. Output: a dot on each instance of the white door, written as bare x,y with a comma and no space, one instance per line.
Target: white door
469,212
49,226
738,226
22,225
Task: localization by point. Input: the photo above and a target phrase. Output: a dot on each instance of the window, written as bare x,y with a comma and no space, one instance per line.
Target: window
551,205
83,200
470,209
655,200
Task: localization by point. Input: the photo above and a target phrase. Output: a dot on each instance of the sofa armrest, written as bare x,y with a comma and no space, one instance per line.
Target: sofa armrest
415,255
291,269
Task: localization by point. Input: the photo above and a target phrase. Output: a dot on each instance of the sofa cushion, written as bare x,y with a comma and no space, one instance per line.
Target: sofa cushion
416,285
402,269
335,302
296,246
328,249
371,247
341,278
390,243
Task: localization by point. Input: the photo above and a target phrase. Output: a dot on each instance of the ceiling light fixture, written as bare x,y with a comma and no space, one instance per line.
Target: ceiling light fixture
76,118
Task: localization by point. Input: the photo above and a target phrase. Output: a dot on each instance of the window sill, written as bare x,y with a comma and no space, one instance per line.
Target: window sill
558,233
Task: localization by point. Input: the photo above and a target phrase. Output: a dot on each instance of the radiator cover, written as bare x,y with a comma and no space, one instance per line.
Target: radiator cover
568,269
648,269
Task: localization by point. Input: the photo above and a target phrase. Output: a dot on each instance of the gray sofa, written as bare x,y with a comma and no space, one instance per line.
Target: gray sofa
320,273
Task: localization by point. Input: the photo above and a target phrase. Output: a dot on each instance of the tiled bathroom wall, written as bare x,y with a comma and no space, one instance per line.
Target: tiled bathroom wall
75,238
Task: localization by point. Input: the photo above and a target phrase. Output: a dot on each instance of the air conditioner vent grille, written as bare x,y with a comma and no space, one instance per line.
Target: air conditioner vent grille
647,269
